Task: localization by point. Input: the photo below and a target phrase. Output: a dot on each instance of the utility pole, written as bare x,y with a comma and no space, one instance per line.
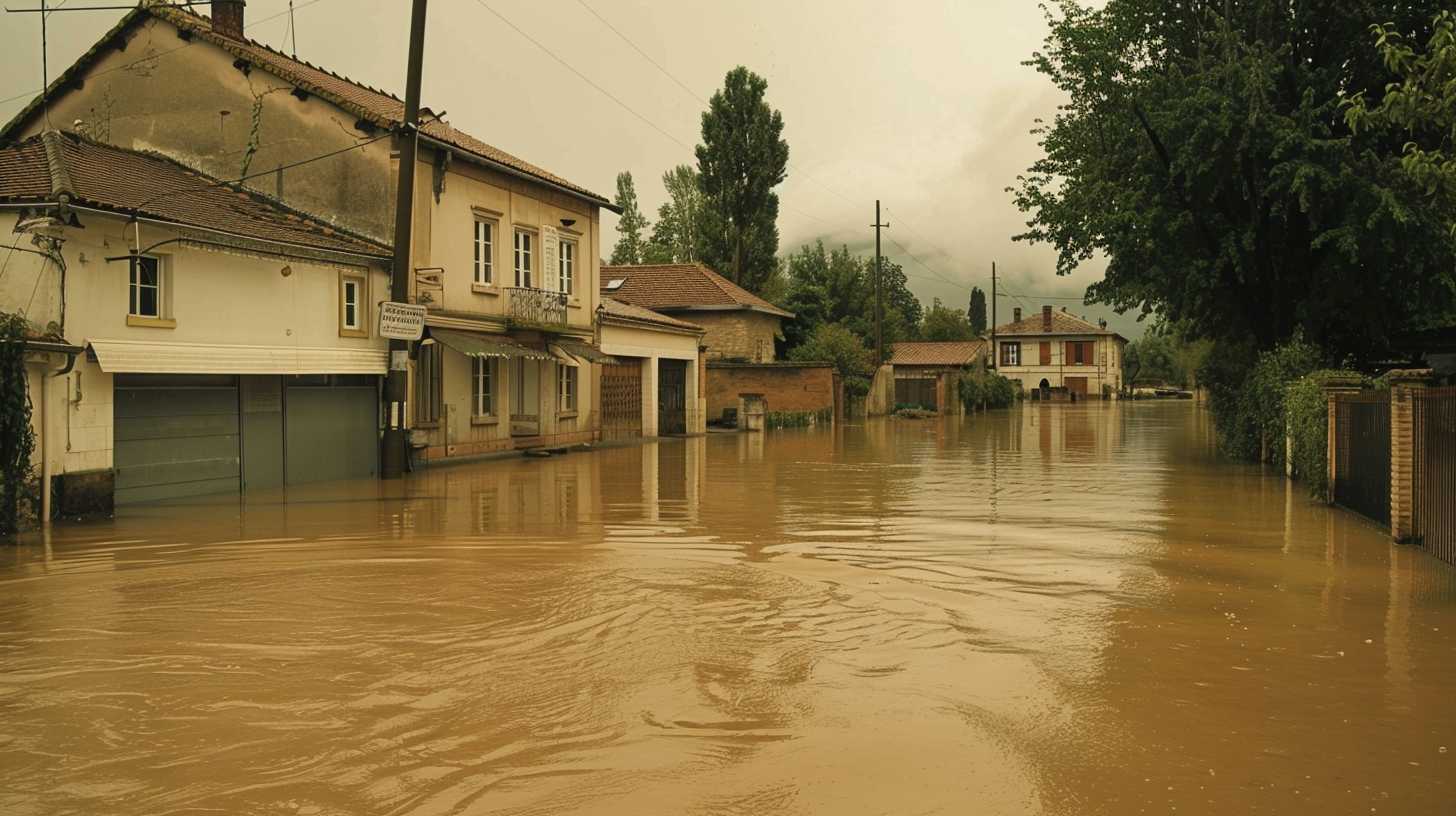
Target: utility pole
396,385
993,314
879,307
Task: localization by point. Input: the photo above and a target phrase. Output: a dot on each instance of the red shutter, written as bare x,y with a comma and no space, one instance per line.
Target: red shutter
1046,353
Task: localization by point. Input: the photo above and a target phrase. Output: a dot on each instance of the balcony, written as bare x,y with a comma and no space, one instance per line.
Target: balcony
535,307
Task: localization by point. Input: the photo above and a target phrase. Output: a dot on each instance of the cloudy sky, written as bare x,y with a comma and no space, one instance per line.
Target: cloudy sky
924,105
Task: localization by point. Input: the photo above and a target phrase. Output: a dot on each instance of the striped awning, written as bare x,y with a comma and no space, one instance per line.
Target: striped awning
137,357
585,351
479,344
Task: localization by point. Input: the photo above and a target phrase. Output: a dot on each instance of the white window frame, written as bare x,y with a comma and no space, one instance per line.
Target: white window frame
523,249
357,304
566,260
566,388
134,287
483,374
483,241
1011,353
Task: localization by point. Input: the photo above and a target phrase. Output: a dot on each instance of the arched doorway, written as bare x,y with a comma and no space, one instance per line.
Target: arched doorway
1045,388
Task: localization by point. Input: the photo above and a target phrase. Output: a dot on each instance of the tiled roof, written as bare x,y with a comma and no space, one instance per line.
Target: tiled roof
1062,323
131,182
937,354
626,311
671,287
383,109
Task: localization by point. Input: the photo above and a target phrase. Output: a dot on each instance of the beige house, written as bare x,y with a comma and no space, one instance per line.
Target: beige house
194,338
505,253
1057,354
738,324
653,386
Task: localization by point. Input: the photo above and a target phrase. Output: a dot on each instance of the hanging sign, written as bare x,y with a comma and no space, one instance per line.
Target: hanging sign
401,321
550,251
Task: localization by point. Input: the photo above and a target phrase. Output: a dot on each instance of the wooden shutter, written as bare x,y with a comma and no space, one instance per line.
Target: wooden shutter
1046,353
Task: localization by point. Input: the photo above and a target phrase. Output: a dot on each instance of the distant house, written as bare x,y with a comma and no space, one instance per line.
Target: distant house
926,373
738,324
1056,353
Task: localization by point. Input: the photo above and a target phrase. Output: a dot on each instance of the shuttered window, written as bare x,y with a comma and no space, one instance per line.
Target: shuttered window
1046,353
428,385
1011,354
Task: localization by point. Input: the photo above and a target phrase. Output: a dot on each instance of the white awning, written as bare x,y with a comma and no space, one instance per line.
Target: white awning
138,357
562,357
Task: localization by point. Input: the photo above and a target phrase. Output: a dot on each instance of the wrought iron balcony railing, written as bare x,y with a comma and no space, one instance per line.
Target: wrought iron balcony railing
536,306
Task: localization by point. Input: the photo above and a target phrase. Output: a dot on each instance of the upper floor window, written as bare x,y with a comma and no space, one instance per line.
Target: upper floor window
484,251
1011,354
567,261
523,252
353,305
1079,352
145,288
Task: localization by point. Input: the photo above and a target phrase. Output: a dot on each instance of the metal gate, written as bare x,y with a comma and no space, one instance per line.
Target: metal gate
622,401
672,398
1362,453
1434,494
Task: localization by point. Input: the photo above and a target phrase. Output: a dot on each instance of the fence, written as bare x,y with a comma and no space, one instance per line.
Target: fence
1434,473
1362,453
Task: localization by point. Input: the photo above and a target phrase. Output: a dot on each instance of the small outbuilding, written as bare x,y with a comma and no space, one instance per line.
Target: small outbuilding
926,374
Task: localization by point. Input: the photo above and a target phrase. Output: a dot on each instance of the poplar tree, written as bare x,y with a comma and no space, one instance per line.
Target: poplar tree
630,248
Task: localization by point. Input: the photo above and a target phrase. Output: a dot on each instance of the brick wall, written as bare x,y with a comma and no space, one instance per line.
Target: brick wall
784,387
739,334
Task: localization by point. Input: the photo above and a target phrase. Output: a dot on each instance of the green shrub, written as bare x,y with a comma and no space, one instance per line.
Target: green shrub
980,388
1246,395
1307,411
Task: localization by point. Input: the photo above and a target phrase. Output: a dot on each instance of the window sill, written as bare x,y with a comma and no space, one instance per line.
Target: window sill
567,414
484,289
353,333
485,420
151,322
427,426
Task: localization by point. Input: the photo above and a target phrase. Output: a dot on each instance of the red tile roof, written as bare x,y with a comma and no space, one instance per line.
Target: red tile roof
937,353
627,312
376,106
129,182
682,287
1062,323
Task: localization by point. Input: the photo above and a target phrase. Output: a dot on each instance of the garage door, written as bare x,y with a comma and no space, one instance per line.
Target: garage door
332,432
176,436
622,401
1077,385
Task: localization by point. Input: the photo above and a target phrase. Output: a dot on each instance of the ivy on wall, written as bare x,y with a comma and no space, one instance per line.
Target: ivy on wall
17,439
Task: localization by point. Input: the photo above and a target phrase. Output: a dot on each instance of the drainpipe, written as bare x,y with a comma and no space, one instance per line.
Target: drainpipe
45,437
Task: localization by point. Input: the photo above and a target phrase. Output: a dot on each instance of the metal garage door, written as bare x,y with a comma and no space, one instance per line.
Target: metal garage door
176,436
331,431
622,400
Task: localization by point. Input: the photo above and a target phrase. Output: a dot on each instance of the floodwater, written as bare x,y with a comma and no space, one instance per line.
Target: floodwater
1059,609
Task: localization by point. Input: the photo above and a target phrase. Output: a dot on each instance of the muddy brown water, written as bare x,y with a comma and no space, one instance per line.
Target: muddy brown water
1060,609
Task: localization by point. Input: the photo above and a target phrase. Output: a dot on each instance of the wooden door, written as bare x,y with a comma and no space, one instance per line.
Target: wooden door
622,400
672,398
1076,385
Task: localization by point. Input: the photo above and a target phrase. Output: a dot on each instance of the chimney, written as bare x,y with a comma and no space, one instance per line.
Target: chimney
227,17
1046,318
1016,315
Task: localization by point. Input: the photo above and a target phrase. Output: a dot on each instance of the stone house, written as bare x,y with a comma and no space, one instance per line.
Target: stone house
505,253
205,339
1059,352
738,324
927,374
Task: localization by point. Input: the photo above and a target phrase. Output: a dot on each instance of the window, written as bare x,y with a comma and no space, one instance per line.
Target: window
1079,353
565,388
523,258
1046,353
427,385
353,306
1011,354
146,287
568,267
484,252
482,386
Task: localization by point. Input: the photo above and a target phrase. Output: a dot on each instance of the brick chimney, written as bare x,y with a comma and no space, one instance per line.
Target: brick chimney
1046,318
227,17
1016,315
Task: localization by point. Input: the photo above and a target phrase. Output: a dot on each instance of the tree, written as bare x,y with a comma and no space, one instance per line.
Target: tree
1203,151
838,287
833,343
675,235
943,323
1420,106
977,311
742,158
630,248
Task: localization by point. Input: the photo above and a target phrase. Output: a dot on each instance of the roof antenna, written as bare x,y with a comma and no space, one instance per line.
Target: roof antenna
293,28
45,76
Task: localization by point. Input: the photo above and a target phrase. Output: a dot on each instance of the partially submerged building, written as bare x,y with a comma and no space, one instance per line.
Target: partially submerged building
927,374
1057,354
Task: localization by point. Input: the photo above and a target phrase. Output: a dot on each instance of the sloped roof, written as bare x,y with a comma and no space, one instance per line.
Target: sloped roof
957,353
1062,323
682,287
370,104
42,168
613,308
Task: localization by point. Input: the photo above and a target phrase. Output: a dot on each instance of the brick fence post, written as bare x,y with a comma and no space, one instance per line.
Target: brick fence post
1333,386
1404,436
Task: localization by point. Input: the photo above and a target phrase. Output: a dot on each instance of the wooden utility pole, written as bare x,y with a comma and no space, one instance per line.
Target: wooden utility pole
396,385
993,314
879,303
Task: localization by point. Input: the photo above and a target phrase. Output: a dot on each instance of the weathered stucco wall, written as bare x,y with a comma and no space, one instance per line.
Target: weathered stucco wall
785,388
739,334
1106,368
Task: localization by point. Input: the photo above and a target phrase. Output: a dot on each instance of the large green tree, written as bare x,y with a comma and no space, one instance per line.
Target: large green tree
675,235
977,311
838,287
1203,151
631,245
742,158
943,323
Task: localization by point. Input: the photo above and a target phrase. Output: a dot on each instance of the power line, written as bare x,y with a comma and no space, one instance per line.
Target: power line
644,54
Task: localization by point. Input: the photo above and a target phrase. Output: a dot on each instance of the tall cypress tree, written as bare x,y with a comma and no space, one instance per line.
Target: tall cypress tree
631,245
977,312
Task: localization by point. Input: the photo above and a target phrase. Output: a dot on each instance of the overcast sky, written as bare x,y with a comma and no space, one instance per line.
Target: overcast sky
924,105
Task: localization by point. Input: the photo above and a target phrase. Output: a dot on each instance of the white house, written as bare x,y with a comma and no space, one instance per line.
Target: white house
1058,350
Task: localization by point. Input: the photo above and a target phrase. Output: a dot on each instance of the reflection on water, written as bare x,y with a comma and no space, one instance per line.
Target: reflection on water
1061,609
